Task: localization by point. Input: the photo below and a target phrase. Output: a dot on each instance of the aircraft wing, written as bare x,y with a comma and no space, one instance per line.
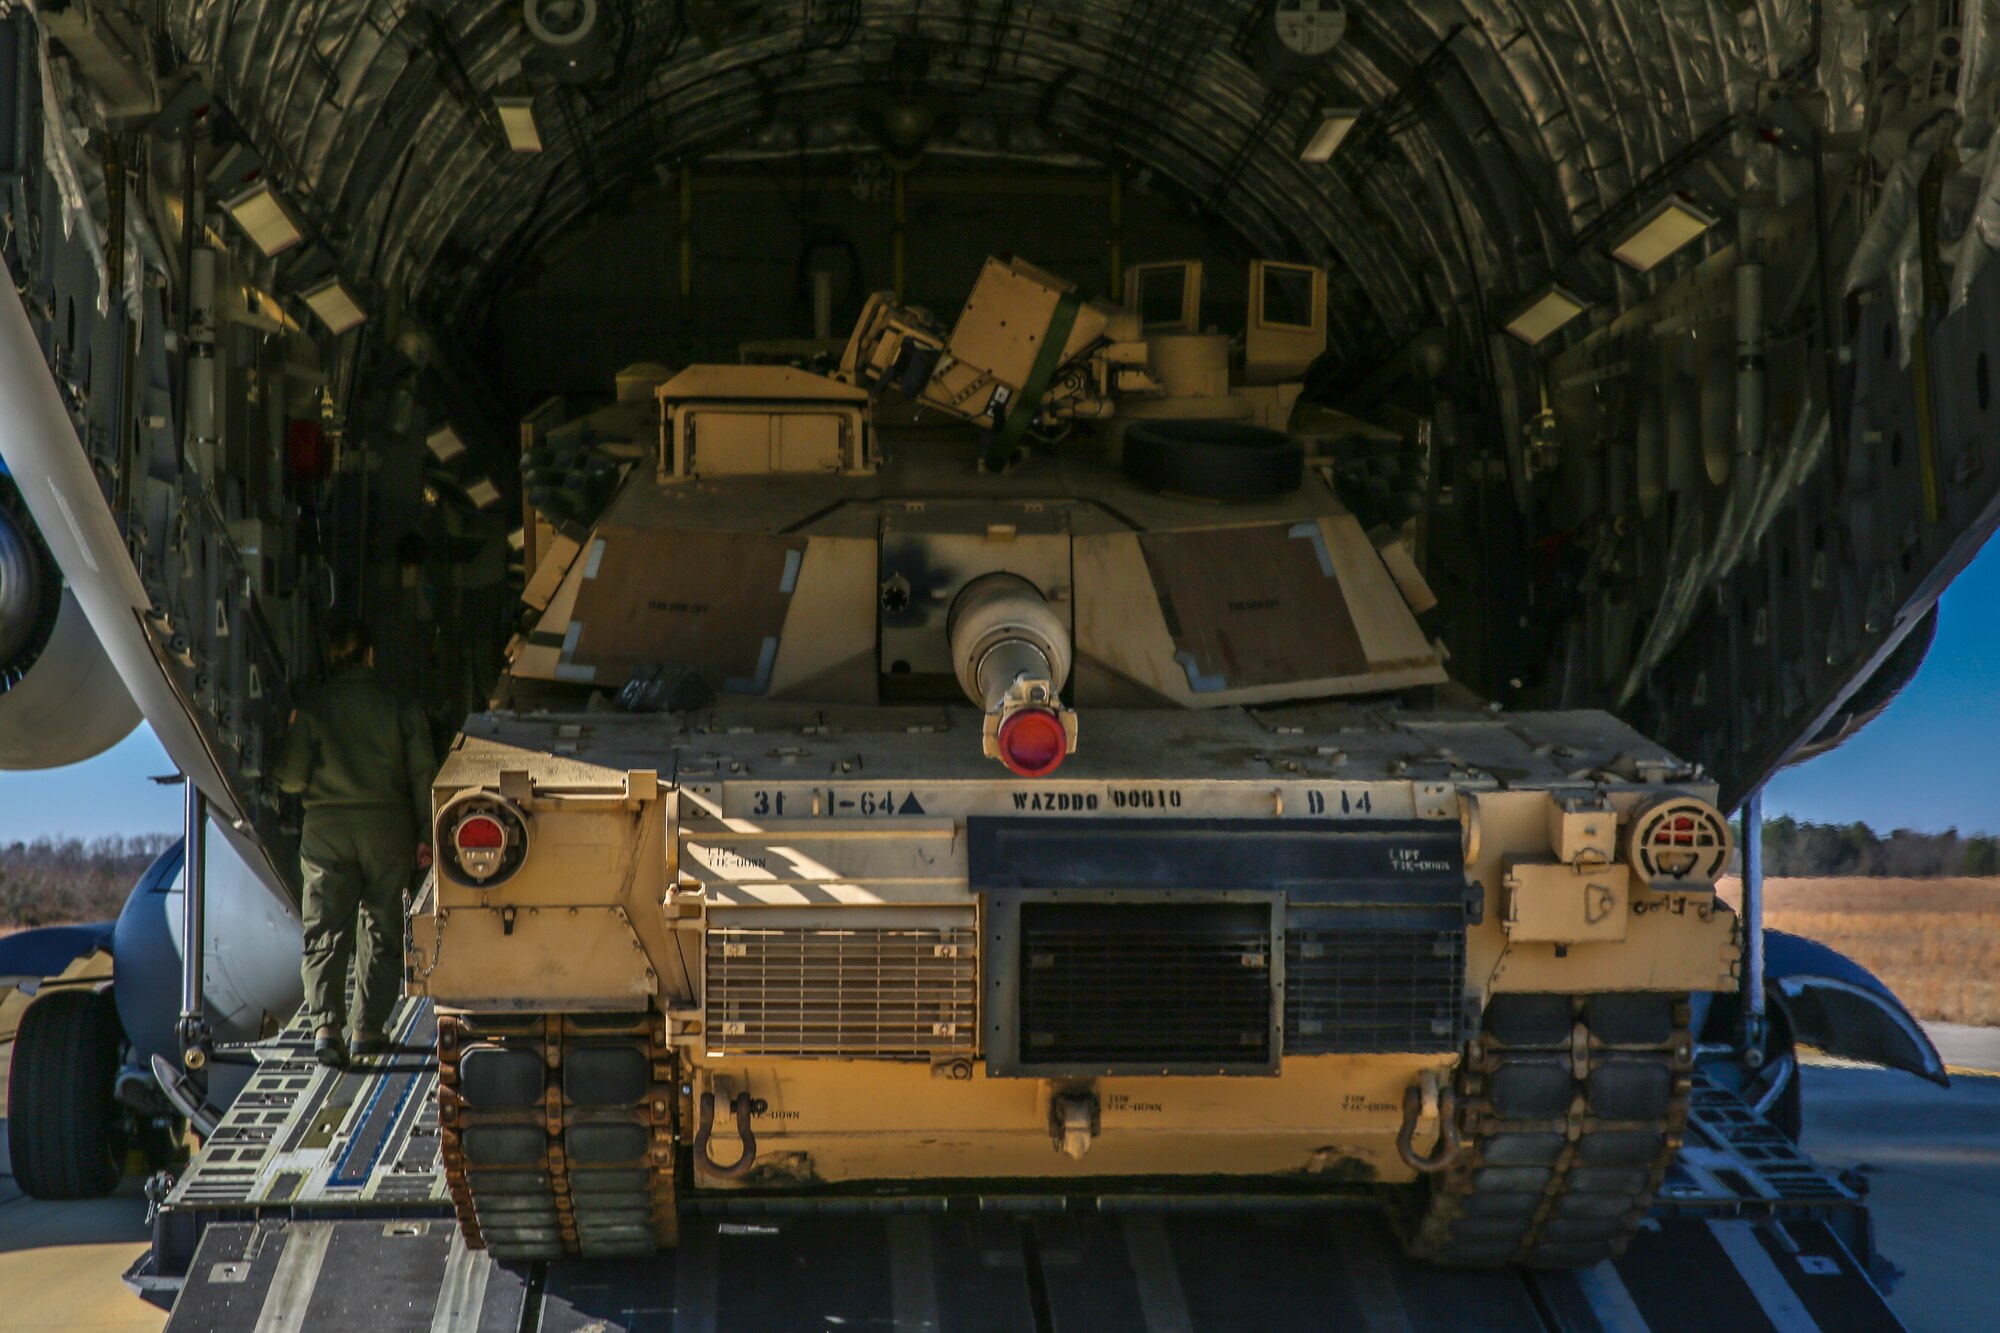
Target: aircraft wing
39,441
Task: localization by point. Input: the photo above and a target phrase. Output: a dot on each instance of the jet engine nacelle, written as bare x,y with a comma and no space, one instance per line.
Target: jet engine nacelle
61,700
250,961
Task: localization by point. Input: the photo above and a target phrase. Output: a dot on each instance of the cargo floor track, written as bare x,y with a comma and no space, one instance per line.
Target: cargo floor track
320,1204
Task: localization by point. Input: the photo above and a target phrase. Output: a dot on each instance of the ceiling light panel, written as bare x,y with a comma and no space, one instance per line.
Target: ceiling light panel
1668,226
1326,137
1545,313
335,306
444,444
517,118
265,219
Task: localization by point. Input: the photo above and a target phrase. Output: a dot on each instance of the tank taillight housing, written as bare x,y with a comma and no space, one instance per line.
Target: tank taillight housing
482,839
481,832
1678,841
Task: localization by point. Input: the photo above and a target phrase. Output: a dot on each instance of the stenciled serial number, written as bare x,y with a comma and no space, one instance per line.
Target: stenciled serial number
1235,799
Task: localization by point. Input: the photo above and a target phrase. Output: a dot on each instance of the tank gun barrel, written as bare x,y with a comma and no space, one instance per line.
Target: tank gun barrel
1012,655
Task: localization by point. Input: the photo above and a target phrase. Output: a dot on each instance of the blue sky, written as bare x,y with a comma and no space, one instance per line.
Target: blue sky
1931,761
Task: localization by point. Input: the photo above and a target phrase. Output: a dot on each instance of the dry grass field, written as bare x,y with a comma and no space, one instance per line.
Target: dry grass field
1936,942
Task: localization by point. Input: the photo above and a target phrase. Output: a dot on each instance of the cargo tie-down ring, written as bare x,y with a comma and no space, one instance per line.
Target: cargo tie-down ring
1446,1106
745,1106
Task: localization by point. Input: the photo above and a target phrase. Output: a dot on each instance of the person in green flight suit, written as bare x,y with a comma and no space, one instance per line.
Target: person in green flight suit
360,755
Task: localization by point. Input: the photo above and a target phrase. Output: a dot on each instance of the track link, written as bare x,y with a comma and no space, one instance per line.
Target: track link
1571,1109
558,1132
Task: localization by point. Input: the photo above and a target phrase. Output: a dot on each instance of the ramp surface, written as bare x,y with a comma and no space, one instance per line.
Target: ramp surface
1146,1273
320,1203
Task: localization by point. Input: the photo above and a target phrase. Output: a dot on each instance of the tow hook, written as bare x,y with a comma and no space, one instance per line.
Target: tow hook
1424,1101
1074,1122
745,1106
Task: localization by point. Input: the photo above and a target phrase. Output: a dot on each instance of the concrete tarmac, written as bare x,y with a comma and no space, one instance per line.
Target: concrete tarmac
60,1263
1966,1049
1931,1158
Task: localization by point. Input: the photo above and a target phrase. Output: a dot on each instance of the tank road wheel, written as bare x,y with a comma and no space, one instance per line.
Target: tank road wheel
1571,1109
558,1132
65,1130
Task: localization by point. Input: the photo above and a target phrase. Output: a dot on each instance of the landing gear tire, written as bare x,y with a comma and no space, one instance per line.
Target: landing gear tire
66,1133
1570,1109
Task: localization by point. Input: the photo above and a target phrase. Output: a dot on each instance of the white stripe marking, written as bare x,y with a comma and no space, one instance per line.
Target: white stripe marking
1160,1296
462,1295
1370,1273
697,1281
1609,1299
1781,1305
294,1278
913,1297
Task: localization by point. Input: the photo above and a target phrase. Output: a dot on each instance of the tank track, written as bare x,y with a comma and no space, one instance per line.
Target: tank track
557,1133
1571,1109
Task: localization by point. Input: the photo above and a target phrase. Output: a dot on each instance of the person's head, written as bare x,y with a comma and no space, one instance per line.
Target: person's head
348,645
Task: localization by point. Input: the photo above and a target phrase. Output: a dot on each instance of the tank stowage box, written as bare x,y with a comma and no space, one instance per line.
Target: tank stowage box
1081,821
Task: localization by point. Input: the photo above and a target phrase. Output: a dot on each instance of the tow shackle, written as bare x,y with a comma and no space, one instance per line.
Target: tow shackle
744,1106
1448,1144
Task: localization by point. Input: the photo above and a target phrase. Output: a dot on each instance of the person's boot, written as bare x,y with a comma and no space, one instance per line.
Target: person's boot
370,1043
328,1049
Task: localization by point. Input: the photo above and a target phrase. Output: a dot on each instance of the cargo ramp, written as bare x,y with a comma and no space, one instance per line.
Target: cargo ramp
319,1203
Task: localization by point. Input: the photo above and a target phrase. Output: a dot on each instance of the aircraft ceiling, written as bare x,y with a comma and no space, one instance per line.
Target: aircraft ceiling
1611,525
1502,133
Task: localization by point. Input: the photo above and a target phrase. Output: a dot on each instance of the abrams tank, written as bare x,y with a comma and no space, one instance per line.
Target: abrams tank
1004,773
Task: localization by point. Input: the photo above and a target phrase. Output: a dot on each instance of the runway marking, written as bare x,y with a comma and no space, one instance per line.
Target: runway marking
1968,1071
294,1278
1781,1305
1821,1060
1610,1300
1161,1299
913,1297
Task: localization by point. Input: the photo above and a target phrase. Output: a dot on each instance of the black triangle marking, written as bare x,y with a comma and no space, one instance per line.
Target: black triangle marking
910,806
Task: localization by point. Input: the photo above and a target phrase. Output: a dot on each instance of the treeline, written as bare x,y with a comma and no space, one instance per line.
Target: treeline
54,880
1795,848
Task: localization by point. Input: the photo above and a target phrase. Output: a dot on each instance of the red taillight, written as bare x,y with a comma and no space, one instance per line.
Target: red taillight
1033,742
480,833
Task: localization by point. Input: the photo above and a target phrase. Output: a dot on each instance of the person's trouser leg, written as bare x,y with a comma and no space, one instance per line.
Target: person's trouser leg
332,890
389,859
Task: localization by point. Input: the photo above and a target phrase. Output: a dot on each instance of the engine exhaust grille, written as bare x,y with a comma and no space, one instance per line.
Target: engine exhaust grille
881,992
1360,986
1145,987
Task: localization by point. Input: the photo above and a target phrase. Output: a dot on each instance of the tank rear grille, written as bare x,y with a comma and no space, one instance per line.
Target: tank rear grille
820,991
1145,985
1358,987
